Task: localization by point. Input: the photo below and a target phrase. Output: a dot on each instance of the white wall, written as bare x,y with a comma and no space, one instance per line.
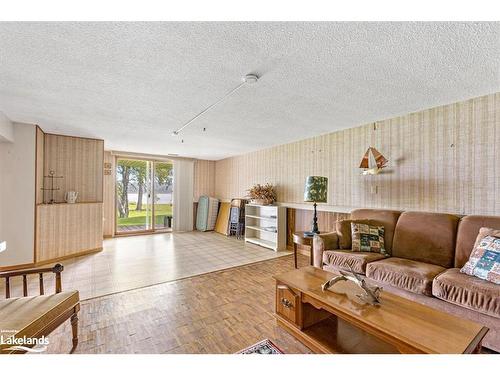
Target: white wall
6,135
2,163
17,196
6,129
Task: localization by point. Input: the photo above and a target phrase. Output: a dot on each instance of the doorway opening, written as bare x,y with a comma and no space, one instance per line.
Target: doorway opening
144,196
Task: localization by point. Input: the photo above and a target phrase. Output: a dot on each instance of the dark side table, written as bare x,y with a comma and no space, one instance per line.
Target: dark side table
300,239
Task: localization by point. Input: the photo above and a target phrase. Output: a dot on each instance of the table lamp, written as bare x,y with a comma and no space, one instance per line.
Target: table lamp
315,191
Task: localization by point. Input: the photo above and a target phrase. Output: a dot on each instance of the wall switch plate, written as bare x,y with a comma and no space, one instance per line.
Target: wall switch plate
3,246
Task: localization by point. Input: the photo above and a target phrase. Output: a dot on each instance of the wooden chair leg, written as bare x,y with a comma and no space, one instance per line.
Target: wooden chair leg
74,330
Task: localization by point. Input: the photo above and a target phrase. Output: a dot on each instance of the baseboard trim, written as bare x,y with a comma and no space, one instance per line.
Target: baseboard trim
70,256
17,267
53,260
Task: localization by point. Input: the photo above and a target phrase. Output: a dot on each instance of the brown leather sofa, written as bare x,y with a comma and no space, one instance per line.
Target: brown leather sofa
427,251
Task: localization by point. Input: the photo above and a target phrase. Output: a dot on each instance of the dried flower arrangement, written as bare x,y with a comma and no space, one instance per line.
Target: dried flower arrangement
262,194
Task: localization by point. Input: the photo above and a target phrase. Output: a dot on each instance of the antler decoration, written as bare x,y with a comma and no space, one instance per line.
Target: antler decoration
371,295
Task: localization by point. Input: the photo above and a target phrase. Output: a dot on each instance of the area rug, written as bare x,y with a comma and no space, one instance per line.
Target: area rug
262,347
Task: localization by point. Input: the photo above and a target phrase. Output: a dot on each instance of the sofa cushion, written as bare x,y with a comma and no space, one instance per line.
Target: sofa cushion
467,291
406,274
484,261
367,237
468,229
344,232
342,259
386,218
426,237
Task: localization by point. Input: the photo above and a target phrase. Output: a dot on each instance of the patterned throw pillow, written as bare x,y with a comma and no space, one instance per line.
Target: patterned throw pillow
368,238
484,261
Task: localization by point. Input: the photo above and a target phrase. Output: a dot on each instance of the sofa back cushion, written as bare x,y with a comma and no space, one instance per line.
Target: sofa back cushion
468,229
385,218
426,237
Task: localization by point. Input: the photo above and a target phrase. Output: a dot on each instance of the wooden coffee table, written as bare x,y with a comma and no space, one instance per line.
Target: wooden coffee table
336,321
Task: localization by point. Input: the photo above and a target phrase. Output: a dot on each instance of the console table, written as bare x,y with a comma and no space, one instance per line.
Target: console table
336,321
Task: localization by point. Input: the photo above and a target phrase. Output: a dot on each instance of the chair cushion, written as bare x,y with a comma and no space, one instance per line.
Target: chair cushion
468,229
406,274
426,237
468,291
26,316
342,259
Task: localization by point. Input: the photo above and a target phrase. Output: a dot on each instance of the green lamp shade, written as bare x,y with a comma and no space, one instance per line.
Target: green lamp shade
316,189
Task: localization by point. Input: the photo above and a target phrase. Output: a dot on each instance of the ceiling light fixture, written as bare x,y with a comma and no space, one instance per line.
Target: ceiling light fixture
249,79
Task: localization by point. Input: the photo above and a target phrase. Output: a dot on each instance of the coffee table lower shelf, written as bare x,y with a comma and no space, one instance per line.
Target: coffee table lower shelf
336,336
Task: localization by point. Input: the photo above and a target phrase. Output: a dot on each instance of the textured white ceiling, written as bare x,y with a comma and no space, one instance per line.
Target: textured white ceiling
132,84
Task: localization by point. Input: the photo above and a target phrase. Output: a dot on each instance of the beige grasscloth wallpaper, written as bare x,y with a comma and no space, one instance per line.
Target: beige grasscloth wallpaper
204,178
444,159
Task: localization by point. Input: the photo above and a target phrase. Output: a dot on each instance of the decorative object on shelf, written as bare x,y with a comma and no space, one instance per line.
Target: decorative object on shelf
3,246
371,295
51,176
107,169
368,166
71,196
315,191
262,194
262,347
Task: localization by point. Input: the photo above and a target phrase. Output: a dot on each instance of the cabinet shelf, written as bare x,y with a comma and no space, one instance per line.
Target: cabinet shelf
259,241
262,217
262,229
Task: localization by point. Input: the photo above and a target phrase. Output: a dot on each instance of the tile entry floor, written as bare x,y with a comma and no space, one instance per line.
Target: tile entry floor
133,262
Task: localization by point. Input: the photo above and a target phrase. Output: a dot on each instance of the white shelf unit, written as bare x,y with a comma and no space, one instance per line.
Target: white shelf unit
266,226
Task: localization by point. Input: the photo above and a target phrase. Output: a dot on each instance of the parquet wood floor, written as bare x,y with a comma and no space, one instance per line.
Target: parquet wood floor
220,312
134,262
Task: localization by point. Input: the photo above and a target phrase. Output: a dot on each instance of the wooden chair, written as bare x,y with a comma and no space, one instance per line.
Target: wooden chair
39,315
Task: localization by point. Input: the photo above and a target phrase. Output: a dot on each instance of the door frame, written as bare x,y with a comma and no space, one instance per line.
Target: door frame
153,219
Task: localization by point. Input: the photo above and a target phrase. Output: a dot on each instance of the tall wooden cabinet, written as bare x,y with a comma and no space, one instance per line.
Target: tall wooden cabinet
64,230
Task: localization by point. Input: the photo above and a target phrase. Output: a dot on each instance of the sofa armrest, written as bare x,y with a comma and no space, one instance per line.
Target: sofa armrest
322,242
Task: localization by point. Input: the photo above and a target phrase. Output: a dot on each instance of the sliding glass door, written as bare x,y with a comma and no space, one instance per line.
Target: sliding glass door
143,195
163,179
